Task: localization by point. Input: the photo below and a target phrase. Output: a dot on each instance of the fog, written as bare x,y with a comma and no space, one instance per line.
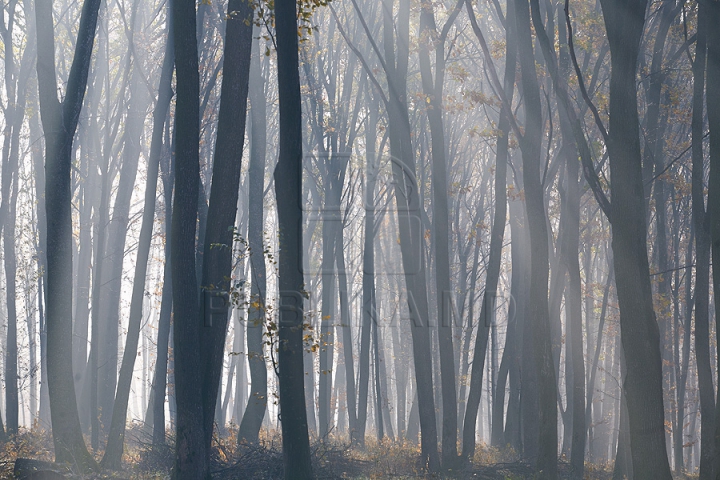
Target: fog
354,238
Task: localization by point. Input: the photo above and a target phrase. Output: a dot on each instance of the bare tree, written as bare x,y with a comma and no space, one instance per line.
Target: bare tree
59,120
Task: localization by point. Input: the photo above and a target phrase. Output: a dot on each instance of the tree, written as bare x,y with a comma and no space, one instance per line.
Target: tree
59,120
701,224
496,244
543,449
624,22
190,459
433,90
116,435
257,404
288,187
409,209
712,100
218,236
16,79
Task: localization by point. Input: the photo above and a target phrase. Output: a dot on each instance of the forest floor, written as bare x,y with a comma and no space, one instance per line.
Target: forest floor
331,460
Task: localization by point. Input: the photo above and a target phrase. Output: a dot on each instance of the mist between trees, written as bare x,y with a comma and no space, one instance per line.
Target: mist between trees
479,233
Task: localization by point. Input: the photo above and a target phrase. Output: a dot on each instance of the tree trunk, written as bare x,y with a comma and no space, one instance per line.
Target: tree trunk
623,458
545,456
219,234
190,459
114,253
288,188
409,214
433,90
257,404
60,121
116,435
368,279
497,235
701,225
573,293
624,23
713,205
163,336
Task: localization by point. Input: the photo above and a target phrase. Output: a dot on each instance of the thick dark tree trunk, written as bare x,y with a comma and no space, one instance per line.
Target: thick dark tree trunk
222,208
624,22
190,459
288,188
545,456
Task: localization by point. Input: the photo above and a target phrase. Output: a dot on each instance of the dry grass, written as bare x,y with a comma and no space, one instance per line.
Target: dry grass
333,459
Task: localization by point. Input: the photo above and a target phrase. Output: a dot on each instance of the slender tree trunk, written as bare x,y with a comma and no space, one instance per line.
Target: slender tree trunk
257,404
113,451
623,458
433,90
330,220
713,205
701,224
368,280
114,252
163,336
516,321
9,200
409,221
346,327
497,235
40,251
573,293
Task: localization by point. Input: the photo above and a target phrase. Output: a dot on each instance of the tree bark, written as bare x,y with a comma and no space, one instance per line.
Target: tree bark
288,188
60,121
116,435
497,236
712,99
190,459
624,22
219,233
701,224
545,456
409,214
257,404
163,336
433,90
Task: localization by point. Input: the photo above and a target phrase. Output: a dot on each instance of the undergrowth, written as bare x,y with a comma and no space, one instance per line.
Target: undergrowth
332,459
